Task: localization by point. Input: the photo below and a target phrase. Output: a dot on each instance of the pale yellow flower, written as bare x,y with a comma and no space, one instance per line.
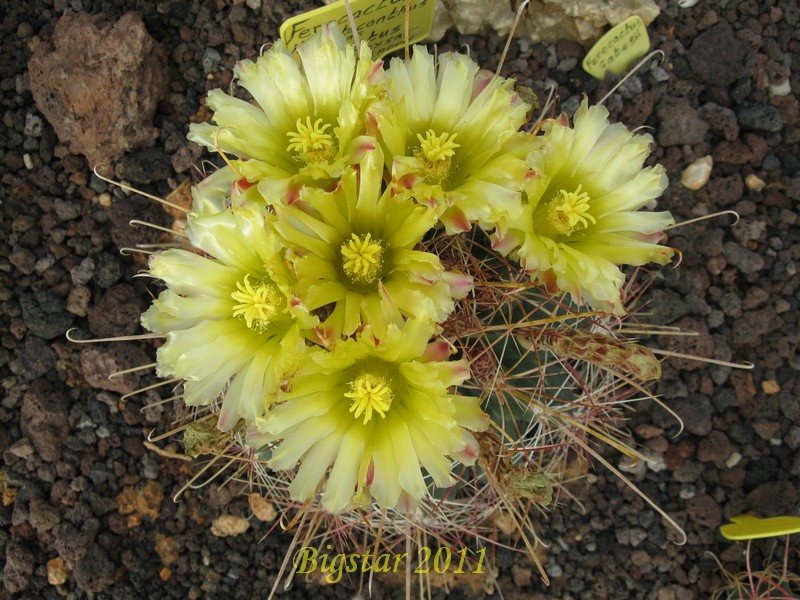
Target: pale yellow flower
374,416
451,136
232,325
309,115
353,252
582,216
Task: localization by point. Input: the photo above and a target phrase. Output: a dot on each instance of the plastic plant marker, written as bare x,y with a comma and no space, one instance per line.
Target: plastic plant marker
748,527
618,49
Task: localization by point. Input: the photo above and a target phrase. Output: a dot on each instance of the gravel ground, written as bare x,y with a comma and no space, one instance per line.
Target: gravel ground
86,505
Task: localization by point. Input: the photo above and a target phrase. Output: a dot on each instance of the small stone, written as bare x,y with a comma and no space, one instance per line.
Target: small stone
758,116
746,260
697,174
784,88
647,431
167,549
733,460
704,511
117,312
144,502
773,498
263,509
641,559
97,364
754,183
44,419
721,119
95,571
767,430
22,448
24,30
210,60
185,157
793,439
144,166
770,386
726,191
637,536
712,65
78,300
701,345
679,123
18,568
522,577
229,526
753,324
734,153
715,447
57,571
115,75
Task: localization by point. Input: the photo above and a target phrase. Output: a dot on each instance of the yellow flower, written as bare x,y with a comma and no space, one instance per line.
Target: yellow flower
231,323
582,216
353,251
372,414
309,115
450,132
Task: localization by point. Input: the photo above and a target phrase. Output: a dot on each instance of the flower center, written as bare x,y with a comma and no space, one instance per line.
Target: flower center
257,304
369,393
435,154
311,143
569,211
362,258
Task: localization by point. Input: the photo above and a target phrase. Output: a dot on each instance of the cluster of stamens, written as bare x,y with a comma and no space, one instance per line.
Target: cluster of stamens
362,258
435,155
311,143
257,304
369,393
568,212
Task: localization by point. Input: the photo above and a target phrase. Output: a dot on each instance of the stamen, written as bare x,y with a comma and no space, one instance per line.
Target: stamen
310,142
436,149
369,393
362,258
258,304
435,155
569,211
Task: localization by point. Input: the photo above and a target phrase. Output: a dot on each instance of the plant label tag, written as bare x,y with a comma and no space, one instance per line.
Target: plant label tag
617,50
381,23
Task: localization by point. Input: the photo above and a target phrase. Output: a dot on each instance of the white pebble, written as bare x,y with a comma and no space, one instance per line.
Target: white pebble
687,3
781,89
696,175
733,460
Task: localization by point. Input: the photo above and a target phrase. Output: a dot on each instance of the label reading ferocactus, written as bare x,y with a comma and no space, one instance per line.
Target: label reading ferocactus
382,23
617,50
